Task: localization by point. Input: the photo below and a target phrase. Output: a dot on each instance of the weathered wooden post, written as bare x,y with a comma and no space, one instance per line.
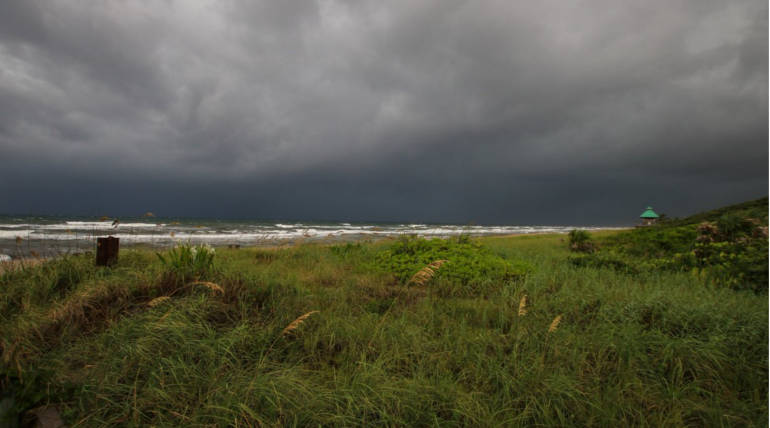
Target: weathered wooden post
107,251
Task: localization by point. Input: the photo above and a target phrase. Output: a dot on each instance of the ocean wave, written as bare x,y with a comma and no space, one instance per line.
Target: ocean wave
81,225
87,223
12,234
246,233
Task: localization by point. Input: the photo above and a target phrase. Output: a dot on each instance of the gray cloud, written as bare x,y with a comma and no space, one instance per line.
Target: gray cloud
491,111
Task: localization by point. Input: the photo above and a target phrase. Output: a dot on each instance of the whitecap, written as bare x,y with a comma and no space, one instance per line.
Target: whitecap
12,234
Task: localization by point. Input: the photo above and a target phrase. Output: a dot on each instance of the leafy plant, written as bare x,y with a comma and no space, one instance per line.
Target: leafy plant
469,264
187,262
728,246
580,241
733,252
424,275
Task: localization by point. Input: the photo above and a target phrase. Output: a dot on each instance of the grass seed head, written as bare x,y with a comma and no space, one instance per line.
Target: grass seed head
211,286
158,301
554,324
523,306
297,322
424,275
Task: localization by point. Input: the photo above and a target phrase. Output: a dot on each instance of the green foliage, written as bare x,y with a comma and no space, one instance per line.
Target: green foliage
580,241
659,348
469,264
34,284
653,241
603,261
346,249
353,252
740,263
188,262
756,209
728,246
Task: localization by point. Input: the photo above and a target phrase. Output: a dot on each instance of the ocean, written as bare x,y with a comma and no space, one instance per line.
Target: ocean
23,236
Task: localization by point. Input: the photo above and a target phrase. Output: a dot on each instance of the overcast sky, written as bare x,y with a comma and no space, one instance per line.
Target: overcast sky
516,112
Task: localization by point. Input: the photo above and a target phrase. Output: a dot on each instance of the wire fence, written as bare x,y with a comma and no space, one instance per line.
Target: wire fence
44,243
25,241
47,243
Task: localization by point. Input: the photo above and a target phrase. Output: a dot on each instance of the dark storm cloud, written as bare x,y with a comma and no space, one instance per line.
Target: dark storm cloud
494,111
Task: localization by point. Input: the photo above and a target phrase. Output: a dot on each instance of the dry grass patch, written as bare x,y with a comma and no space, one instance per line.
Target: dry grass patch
294,325
13,265
424,275
523,306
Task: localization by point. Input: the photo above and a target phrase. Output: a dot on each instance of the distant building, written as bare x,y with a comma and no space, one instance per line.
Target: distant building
649,217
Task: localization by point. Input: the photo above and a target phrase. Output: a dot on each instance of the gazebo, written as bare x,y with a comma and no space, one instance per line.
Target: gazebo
649,217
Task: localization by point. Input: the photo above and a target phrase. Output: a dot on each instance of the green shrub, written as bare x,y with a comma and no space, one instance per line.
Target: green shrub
728,246
187,262
741,265
654,242
732,226
469,264
580,241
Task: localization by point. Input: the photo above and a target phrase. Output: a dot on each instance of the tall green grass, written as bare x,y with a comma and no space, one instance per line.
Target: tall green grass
655,349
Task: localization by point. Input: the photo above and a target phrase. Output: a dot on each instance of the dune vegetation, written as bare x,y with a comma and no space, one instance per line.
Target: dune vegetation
645,327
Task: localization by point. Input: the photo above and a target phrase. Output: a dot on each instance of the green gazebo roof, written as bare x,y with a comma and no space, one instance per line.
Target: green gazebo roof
649,213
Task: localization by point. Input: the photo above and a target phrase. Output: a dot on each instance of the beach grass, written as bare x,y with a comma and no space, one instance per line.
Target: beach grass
322,335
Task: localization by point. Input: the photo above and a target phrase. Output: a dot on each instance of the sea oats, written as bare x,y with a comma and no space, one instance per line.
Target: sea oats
554,324
158,301
297,322
210,285
523,306
424,275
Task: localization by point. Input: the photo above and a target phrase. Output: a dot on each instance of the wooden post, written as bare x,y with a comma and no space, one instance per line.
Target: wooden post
107,251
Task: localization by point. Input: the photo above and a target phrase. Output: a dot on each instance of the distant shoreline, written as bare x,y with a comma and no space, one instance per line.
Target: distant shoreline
37,257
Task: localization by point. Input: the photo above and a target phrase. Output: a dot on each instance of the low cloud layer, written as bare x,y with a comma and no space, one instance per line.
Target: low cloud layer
453,111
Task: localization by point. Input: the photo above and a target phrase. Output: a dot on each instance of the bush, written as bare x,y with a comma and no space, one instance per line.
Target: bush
741,265
469,264
732,226
580,241
653,242
187,262
728,247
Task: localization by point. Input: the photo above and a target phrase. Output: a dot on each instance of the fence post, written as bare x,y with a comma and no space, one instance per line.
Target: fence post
107,251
